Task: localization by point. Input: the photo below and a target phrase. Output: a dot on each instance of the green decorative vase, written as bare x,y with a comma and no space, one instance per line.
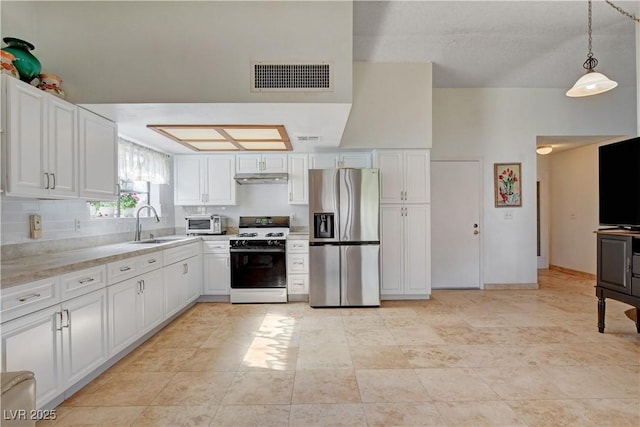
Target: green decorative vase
28,65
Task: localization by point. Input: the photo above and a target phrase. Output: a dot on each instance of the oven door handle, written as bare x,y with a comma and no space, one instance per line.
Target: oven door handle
257,250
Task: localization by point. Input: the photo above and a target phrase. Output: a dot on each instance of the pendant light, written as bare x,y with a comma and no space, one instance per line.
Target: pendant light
591,83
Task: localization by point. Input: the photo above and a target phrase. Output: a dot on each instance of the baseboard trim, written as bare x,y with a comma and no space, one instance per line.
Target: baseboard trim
404,297
509,286
572,272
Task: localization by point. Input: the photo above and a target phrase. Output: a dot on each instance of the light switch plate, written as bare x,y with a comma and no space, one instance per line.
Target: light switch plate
35,226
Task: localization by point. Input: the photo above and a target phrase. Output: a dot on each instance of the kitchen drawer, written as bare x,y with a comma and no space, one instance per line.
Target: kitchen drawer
298,283
173,255
150,262
297,246
83,281
24,299
297,263
118,271
215,247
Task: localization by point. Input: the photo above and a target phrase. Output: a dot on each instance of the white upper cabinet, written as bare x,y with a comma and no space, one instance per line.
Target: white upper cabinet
345,159
261,163
204,180
40,141
98,140
404,176
298,179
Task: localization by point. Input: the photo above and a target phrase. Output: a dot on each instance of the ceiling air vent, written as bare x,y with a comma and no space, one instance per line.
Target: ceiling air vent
298,77
309,138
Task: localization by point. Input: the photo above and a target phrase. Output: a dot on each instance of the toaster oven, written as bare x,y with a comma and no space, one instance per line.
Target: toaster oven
205,224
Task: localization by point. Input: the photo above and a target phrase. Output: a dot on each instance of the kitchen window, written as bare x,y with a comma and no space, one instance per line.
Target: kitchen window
141,171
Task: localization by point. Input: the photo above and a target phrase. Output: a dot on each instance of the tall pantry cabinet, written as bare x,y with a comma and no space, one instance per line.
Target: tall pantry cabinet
405,223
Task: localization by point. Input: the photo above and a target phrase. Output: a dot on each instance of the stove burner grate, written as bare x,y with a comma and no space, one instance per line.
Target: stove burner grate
247,234
274,235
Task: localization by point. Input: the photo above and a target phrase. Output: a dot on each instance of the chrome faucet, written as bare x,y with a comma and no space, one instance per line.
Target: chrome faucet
138,225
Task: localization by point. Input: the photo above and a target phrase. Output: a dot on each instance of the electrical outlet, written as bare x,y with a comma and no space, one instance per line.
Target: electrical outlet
508,214
35,226
76,224
293,216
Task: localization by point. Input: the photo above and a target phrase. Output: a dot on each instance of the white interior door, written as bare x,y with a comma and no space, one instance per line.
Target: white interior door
455,230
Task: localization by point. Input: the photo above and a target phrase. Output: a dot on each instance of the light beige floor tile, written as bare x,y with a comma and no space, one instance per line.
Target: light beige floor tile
390,385
596,381
159,359
543,413
215,359
174,416
277,356
108,416
416,336
251,416
431,356
325,386
314,323
518,383
379,357
481,414
612,412
402,414
268,387
464,335
375,336
324,415
323,337
195,389
455,384
124,389
324,357
486,356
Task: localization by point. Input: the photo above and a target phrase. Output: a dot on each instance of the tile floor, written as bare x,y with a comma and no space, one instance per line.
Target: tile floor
463,358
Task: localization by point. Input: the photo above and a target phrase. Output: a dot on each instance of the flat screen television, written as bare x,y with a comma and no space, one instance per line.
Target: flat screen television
619,184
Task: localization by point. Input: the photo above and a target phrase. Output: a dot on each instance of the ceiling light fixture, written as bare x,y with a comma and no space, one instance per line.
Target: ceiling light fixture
591,83
544,149
205,138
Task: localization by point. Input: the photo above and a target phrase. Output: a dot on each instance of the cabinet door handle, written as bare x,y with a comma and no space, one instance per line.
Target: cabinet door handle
628,264
53,175
139,291
185,268
126,268
87,280
144,285
58,321
46,187
68,318
151,261
28,297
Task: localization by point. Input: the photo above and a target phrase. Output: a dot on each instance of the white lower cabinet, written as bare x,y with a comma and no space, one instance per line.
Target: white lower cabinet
405,251
60,344
193,290
216,267
217,274
135,307
178,279
298,267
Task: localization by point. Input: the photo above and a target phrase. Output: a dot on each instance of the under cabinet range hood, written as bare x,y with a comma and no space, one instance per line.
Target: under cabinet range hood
261,178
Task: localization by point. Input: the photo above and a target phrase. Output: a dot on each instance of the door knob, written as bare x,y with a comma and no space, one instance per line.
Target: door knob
476,232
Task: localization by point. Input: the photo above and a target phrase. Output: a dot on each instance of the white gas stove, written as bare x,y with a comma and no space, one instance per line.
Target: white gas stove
258,260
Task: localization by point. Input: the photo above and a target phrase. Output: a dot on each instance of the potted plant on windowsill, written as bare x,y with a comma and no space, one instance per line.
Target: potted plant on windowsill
107,209
128,202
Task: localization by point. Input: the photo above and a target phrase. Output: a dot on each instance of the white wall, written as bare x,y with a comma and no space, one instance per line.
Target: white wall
391,106
574,212
198,51
253,200
501,125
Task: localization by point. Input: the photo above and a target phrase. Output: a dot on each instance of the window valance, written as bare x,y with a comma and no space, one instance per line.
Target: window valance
138,163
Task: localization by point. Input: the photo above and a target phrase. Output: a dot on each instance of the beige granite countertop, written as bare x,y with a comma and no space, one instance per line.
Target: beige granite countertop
27,269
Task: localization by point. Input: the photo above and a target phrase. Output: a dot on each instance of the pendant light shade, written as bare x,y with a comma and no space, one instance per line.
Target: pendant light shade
591,83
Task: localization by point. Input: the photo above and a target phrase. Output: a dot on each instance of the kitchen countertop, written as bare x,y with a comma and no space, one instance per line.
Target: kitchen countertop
27,269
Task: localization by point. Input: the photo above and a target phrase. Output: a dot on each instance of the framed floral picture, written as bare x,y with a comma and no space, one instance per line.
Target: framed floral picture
508,184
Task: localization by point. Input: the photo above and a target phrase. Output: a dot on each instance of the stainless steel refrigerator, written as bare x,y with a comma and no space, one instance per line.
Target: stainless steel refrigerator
344,237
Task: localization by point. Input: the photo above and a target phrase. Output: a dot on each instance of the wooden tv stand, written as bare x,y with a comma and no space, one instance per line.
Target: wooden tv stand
618,275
